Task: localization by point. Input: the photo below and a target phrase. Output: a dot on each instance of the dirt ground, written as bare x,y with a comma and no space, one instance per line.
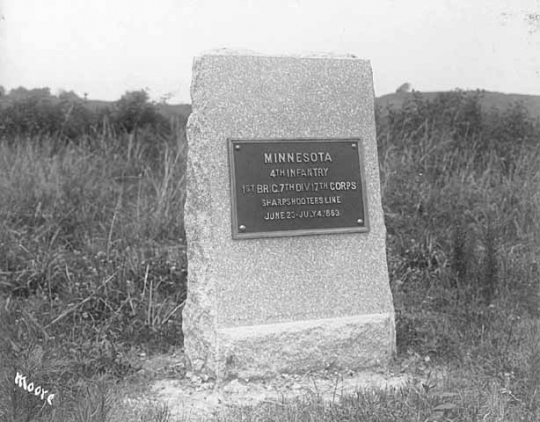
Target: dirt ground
164,380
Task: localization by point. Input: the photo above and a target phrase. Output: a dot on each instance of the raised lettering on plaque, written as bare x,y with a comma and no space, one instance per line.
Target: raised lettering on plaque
296,187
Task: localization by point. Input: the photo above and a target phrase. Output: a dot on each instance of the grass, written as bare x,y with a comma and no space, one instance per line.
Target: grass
91,266
414,403
92,274
463,246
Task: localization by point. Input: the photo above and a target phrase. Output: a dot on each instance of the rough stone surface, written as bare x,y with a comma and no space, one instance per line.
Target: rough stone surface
256,282
310,345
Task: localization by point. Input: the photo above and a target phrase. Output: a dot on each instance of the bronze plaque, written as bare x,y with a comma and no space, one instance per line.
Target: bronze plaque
296,187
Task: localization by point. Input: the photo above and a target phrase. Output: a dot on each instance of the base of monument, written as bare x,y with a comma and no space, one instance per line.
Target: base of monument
354,342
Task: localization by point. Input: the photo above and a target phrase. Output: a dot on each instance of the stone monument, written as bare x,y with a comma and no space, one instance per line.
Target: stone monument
283,218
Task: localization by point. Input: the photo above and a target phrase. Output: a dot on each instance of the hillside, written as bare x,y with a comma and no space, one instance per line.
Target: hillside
168,110
488,101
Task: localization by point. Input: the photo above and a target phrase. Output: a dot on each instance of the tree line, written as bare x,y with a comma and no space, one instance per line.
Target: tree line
37,112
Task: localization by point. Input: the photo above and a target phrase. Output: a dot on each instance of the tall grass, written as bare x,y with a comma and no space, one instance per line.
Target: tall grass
92,269
463,251
91,255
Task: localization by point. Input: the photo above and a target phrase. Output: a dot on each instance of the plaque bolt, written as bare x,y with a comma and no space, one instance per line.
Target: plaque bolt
353,145
242,228
360,221
237,147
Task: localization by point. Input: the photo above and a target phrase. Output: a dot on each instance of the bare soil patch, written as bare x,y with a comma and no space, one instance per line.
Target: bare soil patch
163,380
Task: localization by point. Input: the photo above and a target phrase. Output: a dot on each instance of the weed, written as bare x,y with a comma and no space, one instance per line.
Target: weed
92,274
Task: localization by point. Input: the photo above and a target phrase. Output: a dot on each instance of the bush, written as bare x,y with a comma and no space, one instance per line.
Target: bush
134,111
66,117
458,113
92,264
91,241
461,198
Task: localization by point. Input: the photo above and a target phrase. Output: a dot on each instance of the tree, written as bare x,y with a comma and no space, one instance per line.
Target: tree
134,110
404,88
70,96
36,93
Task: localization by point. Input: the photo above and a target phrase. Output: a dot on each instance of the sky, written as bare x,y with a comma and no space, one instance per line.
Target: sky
106,47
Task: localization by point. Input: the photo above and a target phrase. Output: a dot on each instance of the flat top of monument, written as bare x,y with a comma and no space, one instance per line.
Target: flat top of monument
300,55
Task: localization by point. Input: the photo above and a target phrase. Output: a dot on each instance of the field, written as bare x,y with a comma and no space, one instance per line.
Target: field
93,271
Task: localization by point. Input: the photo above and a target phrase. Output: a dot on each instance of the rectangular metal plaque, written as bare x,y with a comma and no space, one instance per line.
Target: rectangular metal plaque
296,187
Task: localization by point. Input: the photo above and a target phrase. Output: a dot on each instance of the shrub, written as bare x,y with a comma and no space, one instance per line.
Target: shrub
66,117
75,220
134,111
